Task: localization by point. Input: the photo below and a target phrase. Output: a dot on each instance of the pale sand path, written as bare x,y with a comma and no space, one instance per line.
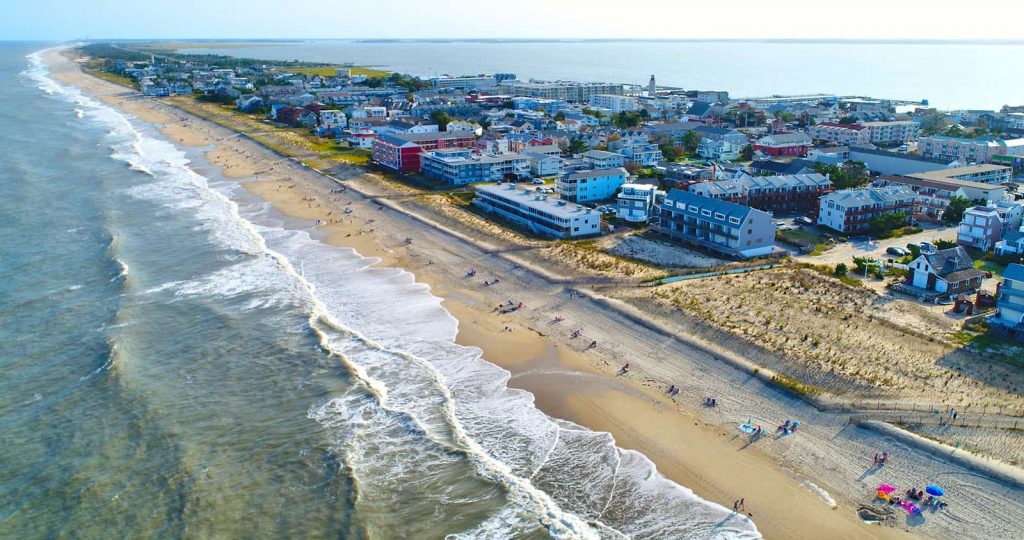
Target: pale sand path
707,457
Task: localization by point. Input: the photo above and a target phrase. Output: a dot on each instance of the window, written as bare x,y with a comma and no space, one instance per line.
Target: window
705,212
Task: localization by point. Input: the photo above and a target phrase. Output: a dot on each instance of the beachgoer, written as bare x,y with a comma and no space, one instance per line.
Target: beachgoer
742,506
625,367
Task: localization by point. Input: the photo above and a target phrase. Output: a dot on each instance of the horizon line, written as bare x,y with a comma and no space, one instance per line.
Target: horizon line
891,40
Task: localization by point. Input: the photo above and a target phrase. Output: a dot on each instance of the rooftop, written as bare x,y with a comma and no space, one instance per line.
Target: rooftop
683,199
533,199
865,196
599,173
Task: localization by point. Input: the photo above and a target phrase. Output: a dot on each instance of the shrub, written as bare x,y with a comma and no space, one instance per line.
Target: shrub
841,269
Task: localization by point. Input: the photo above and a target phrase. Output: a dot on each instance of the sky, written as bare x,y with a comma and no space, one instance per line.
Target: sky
560,19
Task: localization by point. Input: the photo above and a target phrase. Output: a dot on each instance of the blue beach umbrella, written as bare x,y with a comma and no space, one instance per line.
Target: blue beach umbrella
935,490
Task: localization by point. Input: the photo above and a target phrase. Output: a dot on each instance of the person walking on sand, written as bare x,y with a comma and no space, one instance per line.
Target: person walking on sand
742,506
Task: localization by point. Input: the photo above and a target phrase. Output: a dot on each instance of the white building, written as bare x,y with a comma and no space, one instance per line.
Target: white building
459,125
852,210
636,203
982,227
717,150
600,159
593,185
1009,320
330,118
465,83
893,133
542,164
845,134
614,103
541,214
645,154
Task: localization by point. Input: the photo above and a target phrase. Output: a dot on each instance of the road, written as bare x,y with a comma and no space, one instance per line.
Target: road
859,247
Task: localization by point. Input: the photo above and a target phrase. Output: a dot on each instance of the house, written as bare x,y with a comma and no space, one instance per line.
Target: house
784,144
461,166
724,227
469,126
361,138
543,164
788,193
537,212
592,185
718,150
948,271
249,103
716,133
1009,319
637,203
852,210
397,153
700,110
600,159
643,154
982,227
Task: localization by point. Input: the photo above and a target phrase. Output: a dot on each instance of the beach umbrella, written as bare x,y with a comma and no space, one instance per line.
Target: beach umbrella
935,490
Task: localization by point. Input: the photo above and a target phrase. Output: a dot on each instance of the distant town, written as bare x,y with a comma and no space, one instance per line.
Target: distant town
741,179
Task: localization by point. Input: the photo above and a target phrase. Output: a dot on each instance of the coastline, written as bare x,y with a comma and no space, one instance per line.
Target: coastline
696,450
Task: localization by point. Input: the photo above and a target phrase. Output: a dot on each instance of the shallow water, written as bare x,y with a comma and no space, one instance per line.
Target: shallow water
181,361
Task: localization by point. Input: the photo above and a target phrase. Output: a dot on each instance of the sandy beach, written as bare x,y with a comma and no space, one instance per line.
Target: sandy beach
805,485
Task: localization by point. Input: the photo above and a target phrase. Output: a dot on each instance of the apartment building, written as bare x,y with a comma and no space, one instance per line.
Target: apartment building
777,194
614,103
967,150
982,174
577,92
592,185
845,134
462,166
724,227
893,133
784,144
717,150
465,83
537,212
850,211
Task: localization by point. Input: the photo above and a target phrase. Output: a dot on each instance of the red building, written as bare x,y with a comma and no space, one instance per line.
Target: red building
784,144
397,153
402,152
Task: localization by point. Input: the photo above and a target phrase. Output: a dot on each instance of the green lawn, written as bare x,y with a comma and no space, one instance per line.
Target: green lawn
328,71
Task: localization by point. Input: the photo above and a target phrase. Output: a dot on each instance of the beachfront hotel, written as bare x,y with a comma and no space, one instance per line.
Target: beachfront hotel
537,212
461,166
724,227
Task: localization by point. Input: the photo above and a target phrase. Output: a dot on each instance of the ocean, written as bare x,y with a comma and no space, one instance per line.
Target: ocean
182,361
951,75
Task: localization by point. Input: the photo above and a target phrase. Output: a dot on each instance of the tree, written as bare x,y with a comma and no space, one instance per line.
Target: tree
559,116
856,172
671,152
955,211
747,153
955,131
441,118
690,141
848,120
577,146
884,224
841,269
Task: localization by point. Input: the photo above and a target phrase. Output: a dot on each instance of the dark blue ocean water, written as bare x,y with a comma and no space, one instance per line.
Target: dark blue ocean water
179,361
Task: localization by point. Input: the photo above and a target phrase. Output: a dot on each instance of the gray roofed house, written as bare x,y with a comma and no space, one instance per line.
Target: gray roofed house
948,271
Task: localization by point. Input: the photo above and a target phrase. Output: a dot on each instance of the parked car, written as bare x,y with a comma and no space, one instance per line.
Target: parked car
803,220
538,181
898,251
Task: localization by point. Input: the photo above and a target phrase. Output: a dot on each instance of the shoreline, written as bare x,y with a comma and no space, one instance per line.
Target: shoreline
639,416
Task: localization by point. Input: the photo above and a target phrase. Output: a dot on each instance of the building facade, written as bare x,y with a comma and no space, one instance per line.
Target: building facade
893,133
1009,319
577,92
600,159
592,185
948,271
846,134
636,203
777,194
851,211
396,153
461,166
613,102
537,212
784,144
724,227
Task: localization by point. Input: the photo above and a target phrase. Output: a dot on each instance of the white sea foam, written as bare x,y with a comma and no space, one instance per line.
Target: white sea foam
817,490
427,399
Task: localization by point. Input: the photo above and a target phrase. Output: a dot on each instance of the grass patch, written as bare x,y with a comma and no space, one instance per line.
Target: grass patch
794,386
328,71
978,340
